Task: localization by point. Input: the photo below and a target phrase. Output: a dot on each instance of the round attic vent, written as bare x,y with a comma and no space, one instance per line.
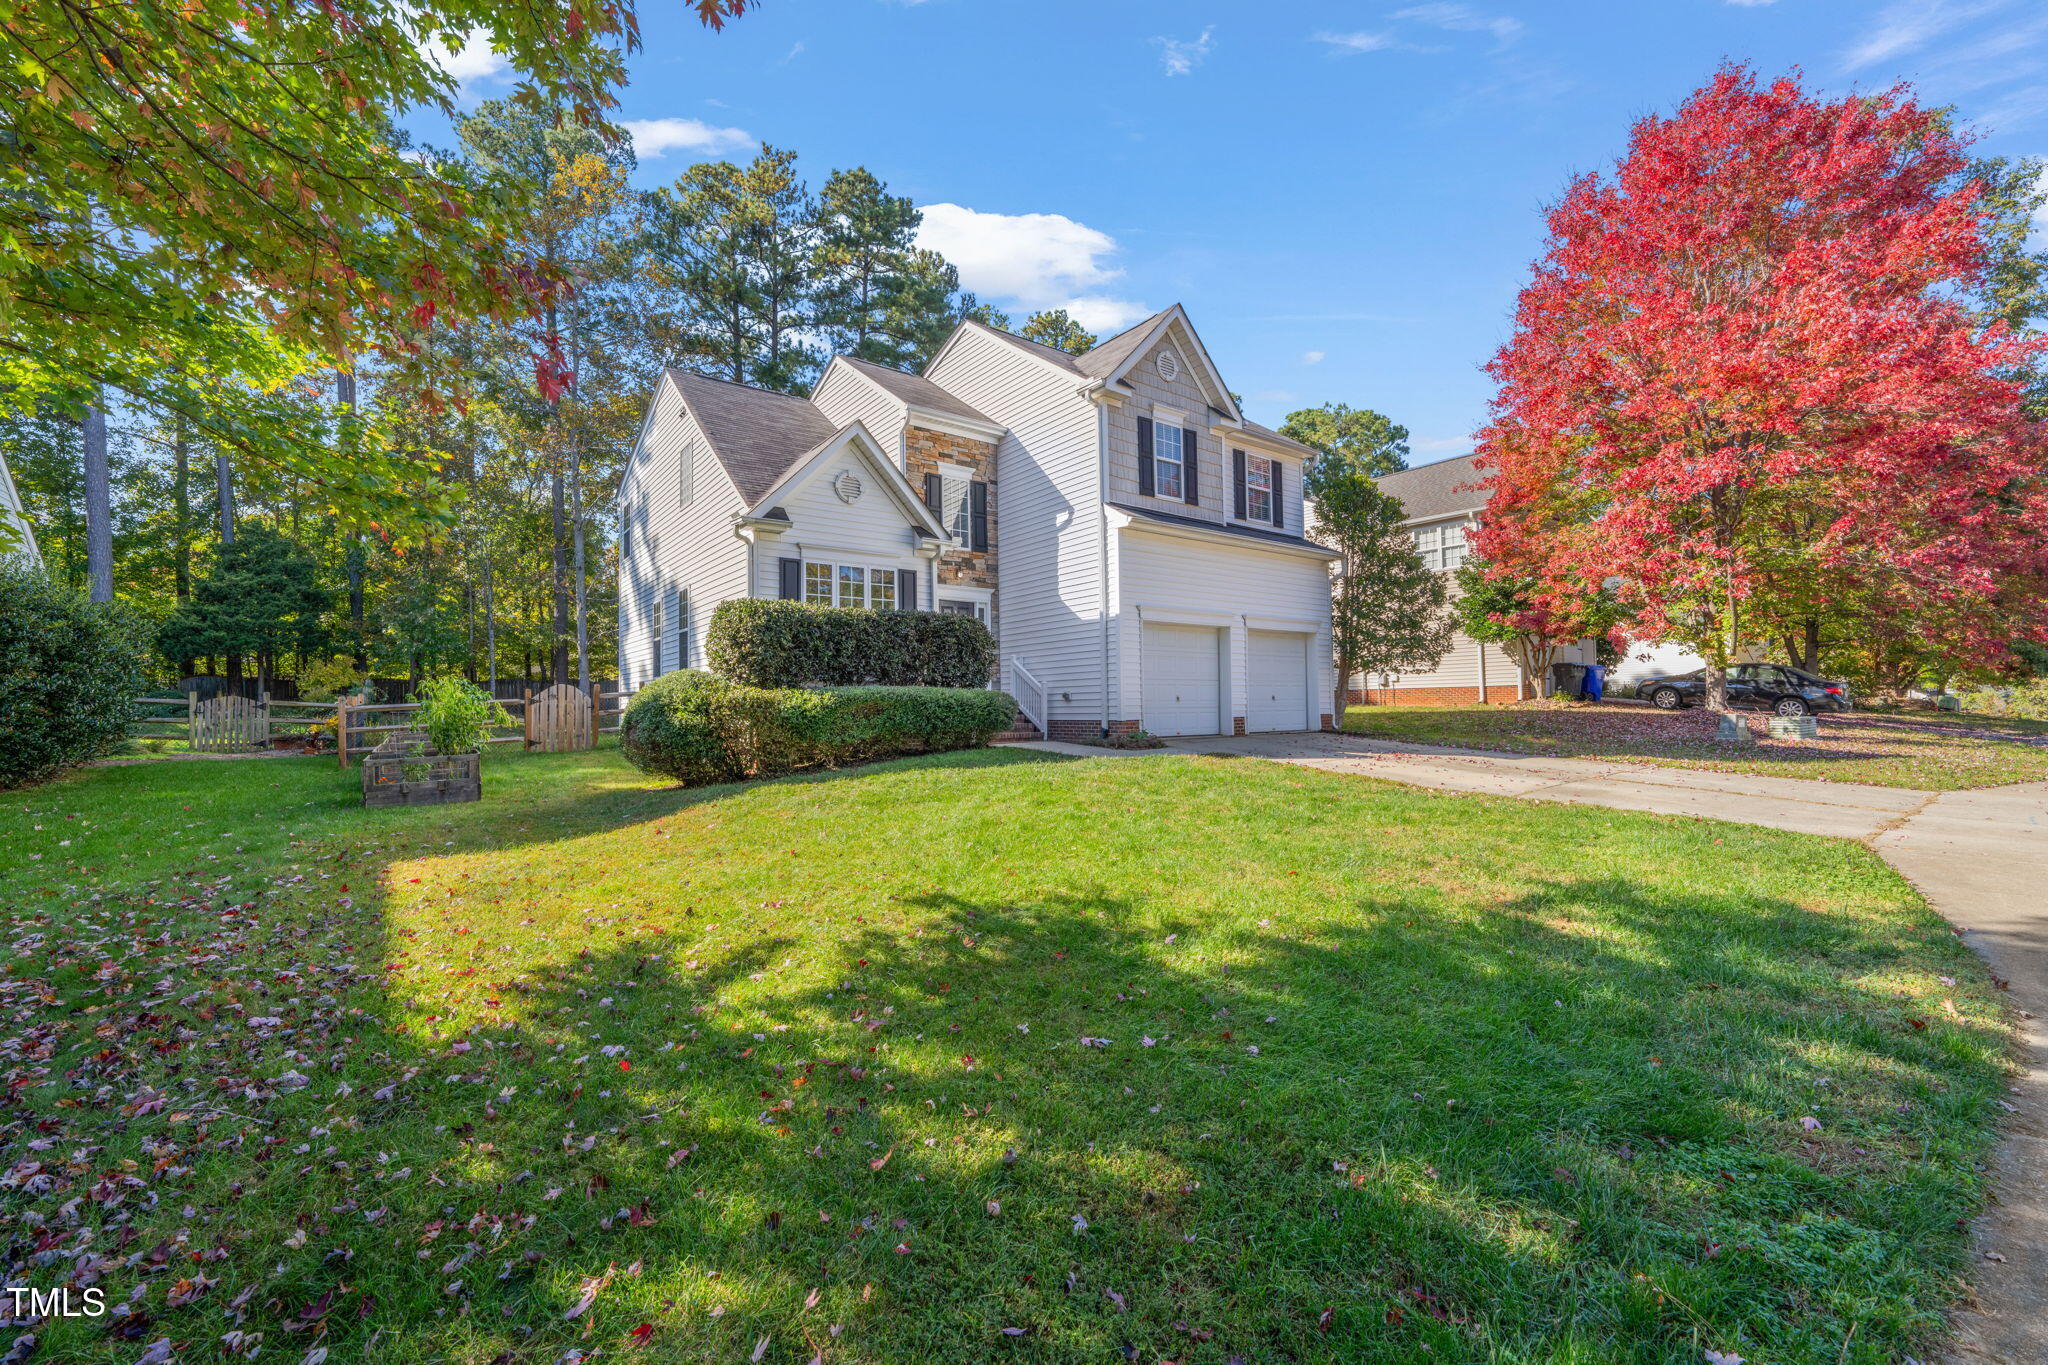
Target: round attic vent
1169,366
847,486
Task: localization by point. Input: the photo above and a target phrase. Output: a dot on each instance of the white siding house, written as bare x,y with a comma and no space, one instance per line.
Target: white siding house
1136,545
17,536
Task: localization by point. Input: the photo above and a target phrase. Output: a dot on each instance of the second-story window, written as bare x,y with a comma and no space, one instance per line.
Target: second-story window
1440,547
1258,488
1169,462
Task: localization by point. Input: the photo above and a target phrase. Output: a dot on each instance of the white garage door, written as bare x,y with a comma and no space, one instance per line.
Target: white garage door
1277,665
1181,677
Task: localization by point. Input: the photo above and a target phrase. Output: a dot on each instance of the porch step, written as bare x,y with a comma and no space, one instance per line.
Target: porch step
1021,733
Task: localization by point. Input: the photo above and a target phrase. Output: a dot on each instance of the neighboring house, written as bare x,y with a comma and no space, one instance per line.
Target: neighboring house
1443,505
1133,541
17,535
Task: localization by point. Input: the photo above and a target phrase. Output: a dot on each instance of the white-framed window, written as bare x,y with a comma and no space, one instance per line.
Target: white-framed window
818,584
956,607
1258,488
686,469
955,501
1440,547
1168,462
655,629
850,585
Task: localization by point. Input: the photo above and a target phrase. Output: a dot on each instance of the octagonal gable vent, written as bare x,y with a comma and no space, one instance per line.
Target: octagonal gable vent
1169,366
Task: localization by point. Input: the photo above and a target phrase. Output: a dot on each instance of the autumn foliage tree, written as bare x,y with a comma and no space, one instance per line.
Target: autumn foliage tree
1745,385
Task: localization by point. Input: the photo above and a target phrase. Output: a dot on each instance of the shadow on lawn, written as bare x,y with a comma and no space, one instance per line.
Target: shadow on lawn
1556,1128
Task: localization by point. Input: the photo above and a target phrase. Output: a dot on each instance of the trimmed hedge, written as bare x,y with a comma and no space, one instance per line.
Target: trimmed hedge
699,728
69,675
789,644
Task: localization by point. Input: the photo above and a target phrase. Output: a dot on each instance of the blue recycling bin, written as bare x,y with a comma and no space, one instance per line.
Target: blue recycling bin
1595,685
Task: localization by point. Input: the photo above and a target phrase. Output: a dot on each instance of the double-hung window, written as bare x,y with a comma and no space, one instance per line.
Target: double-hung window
1258,488
1169,462
1440,547
850,585
954,507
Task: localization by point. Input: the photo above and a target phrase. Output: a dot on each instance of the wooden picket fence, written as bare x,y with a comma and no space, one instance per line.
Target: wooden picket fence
227,723
562,717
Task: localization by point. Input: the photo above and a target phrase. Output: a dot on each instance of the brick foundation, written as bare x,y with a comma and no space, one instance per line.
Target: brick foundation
1082,731
1431,696
1329,722
1237,725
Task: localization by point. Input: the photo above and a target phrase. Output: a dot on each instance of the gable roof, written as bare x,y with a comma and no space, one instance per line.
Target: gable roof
1436,490
854,436
757,434
1038,348
1286,442
1108,356
915,390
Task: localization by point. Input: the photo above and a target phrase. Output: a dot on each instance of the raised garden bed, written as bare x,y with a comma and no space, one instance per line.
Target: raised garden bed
404,770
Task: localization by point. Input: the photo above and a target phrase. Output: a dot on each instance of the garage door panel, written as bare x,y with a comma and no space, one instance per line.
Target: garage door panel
1181,682
1277,679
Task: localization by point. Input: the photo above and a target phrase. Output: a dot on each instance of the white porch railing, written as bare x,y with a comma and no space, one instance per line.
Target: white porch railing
1029,694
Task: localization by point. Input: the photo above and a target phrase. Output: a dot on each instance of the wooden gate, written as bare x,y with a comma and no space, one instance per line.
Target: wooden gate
559,718
230,724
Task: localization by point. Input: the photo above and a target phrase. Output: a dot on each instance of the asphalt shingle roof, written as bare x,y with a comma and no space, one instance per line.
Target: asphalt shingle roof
1437,490
917,390
757,434
1229,528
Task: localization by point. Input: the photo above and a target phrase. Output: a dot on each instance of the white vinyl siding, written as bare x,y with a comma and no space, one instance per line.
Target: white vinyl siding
872,532
1162,578
846,396
684,551
1047,468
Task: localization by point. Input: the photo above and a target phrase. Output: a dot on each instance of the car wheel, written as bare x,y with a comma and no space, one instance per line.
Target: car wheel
1792,706
1666,699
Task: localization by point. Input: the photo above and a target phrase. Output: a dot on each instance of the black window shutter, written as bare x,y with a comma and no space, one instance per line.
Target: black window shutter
1145,456
906,590
1191,489
935,497
1279,503
792,577
1237,470
977,513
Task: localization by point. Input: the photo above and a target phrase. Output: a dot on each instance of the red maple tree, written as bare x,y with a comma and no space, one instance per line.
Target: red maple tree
1745,386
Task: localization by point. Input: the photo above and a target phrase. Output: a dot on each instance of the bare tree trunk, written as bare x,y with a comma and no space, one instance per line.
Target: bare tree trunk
490,628
582,594
345,403
99,505
181,492
224,482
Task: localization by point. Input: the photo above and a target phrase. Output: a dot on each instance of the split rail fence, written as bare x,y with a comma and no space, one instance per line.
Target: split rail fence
227,723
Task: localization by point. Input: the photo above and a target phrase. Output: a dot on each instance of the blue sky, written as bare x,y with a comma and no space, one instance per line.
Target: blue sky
1345,196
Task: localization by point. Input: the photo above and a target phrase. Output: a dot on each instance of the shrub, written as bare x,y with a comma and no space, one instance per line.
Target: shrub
2026,701
457,714
788,644
668,729
699,728
69,675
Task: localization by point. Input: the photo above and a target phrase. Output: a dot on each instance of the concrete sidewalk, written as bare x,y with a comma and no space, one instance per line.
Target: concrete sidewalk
1980,858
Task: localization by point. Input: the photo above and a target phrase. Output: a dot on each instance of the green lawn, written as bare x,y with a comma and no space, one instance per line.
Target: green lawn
1928,750
988,1057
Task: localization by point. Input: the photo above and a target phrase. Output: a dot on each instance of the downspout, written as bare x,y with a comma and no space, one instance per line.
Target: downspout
1102,534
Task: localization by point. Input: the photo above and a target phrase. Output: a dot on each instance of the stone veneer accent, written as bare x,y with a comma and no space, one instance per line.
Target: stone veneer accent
924,451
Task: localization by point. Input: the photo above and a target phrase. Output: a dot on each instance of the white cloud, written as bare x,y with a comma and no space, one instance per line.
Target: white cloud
1463,19
1346,44
1312,357
1031,260
1180,56
1907,26
656,137
1752,4
2016,109
473,61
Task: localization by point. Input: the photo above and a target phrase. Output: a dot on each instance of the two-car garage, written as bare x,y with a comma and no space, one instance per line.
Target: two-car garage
1184,679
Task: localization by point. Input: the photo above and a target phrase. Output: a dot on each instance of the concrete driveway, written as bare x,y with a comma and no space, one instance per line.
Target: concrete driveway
1980,858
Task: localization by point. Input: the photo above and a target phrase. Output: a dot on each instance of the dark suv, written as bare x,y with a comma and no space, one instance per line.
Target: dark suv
1774,687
